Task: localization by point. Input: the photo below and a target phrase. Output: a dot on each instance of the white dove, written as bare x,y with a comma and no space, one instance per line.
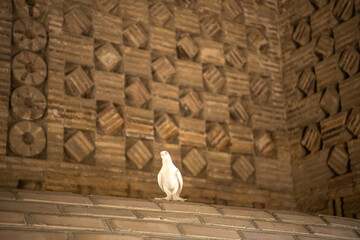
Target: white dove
170,179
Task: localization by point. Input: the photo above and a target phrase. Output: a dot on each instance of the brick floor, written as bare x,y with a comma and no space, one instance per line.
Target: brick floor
66,216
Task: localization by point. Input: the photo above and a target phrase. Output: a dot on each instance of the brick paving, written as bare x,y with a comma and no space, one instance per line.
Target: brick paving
67,216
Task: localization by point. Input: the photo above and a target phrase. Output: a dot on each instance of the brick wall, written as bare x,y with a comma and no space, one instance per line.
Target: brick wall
64,216
320,54
96,89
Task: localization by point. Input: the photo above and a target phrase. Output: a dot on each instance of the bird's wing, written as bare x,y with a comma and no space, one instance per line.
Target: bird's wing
180,180
160,181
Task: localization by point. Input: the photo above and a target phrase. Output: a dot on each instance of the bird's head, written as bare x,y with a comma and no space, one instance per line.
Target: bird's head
165,156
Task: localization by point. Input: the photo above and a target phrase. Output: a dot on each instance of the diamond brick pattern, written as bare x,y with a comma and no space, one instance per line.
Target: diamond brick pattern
328,73
191,103
79,146
265,144
306,82
163,68
349,61
136,35
76,21
160,14
325,45
333,129
238,112
217,137
139,154
232,9
259,87
338,159
301,33
256,38
330,101
312,138
78,82
243,168
353,122
210,26
166,127
188,46
344,9
236,58
137,93
109,119
214,80
108,57
194,161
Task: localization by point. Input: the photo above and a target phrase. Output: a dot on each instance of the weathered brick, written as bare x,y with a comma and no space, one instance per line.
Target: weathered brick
168,229
267,236
25,235
96,236
124,203
333,232
281,227
6,195
63,198
227,222
188,207
55,221
98,211
209,232
294,217
12,218
20,206
168,217
247,213
342,222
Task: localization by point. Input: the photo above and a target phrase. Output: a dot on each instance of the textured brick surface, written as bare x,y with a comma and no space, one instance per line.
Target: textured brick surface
98,211
280,227
54,221
28,207
145,227
26,235
114,218
124,203
96,236
210,232
12,218
247,213
187,207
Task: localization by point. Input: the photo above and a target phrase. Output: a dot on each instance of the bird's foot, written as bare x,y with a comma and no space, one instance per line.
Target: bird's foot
176,198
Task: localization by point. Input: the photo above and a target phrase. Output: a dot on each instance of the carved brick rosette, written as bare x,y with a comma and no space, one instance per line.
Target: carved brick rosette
27,139
28,103
29,68
29,34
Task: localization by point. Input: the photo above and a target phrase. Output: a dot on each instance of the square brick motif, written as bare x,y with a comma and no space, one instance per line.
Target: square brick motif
243,168
79,146
107,56
217,137
194,162
166,127
78,82
139,154
109,119
191,104
163,69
